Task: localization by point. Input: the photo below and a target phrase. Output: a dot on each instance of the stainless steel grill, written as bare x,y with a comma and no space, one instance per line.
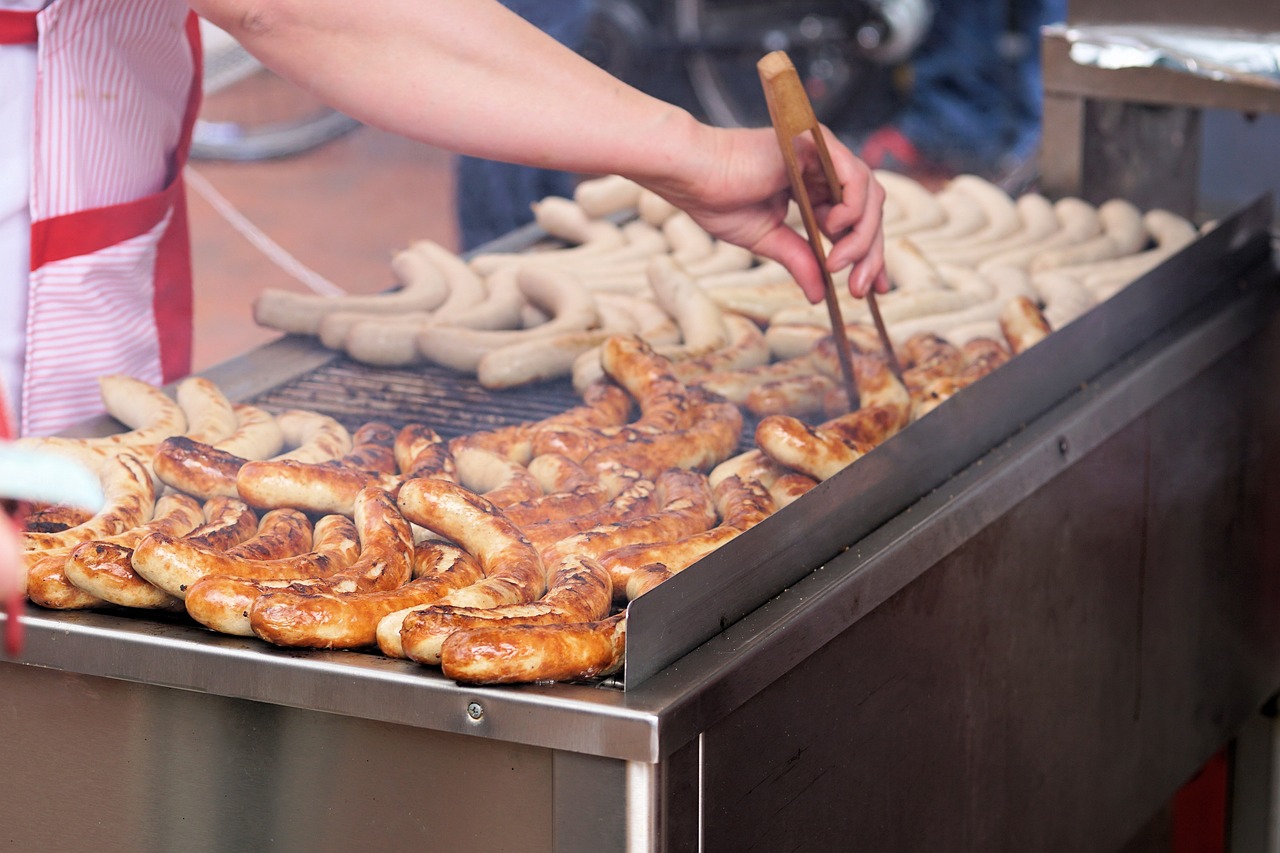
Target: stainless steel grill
1058,565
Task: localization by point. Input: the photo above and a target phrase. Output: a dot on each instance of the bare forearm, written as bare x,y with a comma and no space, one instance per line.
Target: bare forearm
470,76
467,75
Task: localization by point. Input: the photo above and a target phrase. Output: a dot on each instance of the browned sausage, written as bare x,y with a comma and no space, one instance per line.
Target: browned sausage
223,601
514,572
48,583
421,452
579,591
1022,324
105,568
500,480
635,500
686,508
54,518
340,619
129,498
741,505
312,487
197,469
798,396
557,506
711,439
528,653
167,561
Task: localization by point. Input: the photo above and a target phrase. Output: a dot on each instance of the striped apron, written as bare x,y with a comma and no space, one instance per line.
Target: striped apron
107,289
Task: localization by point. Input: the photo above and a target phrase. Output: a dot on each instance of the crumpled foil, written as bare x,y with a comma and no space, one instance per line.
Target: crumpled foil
1236,56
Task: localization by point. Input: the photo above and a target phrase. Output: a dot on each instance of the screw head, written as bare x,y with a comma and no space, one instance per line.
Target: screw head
475,712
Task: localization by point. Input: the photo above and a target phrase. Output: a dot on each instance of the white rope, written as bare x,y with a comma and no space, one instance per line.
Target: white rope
255,235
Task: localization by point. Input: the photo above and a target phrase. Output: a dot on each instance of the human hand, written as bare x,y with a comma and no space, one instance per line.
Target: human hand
12,582
741,191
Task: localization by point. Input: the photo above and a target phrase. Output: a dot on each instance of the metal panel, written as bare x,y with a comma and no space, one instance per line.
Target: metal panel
117,766
588,791
577,718
700,602
1047,685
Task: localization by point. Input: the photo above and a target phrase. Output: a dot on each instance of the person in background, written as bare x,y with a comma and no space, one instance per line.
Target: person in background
492,198
975,99
99,99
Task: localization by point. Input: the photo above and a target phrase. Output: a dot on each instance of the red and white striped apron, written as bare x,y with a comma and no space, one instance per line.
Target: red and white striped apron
117,87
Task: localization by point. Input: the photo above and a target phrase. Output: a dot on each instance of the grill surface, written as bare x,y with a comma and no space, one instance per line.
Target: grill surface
449,402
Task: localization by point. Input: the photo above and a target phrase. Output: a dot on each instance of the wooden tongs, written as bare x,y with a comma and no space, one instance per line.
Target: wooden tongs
792,115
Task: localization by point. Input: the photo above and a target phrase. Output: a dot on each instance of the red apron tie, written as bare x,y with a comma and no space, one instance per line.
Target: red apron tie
18,27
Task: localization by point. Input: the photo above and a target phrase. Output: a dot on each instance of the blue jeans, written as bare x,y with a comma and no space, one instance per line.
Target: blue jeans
976,100
493,198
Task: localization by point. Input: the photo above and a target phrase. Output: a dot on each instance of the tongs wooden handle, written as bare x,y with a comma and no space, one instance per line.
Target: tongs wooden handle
792,115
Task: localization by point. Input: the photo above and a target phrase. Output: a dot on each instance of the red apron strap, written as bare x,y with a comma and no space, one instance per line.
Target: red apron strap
18,27
173,303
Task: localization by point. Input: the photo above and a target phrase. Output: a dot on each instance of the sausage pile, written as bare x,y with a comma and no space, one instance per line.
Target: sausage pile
499,556
956,259
508,555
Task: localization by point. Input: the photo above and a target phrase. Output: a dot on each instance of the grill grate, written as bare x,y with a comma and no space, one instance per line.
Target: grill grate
449,402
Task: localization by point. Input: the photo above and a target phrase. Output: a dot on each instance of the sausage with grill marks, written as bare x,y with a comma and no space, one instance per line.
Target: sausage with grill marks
104,568
1022,324
514,572
711,440
223,601
527,653
48,583
343,618
686,508
129,499
579,591
163,560
741,505
421,452
636,499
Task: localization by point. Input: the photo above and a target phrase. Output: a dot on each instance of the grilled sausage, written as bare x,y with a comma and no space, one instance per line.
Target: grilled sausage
686,507
162,559
129,499
223,601
514,572
341,617
741,505
579,591
535,652
104,568
637,498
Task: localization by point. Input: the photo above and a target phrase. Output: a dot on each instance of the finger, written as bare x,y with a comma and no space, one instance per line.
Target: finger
854,246
794,252
882,282
863,195
856,184
869,271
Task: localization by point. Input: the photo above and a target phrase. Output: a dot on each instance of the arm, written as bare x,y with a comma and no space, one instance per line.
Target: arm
472,77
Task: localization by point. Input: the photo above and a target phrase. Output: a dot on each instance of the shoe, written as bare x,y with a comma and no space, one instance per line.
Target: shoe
888,149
